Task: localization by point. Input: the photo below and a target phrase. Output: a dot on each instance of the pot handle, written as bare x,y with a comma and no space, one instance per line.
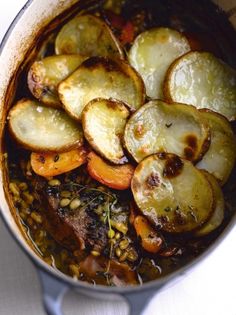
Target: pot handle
138,302
53,292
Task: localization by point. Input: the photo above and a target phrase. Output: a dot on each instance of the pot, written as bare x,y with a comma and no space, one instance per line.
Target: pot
16,43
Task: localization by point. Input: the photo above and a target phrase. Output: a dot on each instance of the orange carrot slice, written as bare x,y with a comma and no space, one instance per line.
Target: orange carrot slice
113,176
150,239
52,164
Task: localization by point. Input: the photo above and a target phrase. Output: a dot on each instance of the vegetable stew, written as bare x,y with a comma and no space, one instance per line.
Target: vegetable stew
120,143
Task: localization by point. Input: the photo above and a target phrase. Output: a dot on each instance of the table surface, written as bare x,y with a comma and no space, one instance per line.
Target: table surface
208,290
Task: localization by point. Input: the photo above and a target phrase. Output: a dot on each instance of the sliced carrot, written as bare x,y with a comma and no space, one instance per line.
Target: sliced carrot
127,34
150,239
113,176
52,164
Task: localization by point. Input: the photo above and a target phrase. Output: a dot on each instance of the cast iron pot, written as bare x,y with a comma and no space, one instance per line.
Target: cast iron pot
33,17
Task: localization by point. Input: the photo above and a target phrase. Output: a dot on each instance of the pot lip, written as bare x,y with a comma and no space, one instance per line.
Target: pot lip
41,265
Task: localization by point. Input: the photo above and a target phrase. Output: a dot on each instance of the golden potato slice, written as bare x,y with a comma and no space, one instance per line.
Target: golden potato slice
153,52
101,77
43,129
202,80
172,193
220,157
89,36
176,128
103,124
219,205
44,76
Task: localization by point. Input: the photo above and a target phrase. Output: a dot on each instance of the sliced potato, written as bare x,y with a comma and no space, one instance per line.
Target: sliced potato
172,193
153,52
101,77
44,76
158,126
202,80
43,129
103,124
219,205
220,157
89,36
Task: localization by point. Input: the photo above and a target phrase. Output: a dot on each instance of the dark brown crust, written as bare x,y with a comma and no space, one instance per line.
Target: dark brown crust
111,104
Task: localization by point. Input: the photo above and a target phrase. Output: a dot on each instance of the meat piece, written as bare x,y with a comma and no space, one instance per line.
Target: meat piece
73,229
120,274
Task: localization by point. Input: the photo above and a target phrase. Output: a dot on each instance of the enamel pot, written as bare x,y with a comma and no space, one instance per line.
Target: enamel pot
21,36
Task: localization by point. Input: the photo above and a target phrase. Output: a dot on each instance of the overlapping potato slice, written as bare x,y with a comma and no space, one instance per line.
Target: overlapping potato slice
219,205
220,158
153,52
43,129
202,80
101,77
158,126
172,193
103,123
89,36
44,76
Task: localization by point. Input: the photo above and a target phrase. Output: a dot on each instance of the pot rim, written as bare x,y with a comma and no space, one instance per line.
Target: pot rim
78,284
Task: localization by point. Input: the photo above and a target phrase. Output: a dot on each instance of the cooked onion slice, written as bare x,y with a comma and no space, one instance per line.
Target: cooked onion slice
43,129
202,80
101,77
218,214
175,128
172,193
153,52
89,36
45,74
220,158
103,123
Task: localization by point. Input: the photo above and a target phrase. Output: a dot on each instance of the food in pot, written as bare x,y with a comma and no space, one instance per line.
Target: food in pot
112,185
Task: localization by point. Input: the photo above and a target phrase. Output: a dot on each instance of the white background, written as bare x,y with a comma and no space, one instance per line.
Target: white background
209,290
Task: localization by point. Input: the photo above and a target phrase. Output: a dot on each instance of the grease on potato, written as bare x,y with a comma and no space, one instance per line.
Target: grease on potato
219,205
175,128
202,80
89,36
172,193
220,158
153,52
43,129
101,77
44,76
103,124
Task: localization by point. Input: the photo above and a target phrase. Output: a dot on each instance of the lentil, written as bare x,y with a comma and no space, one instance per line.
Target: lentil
54,182
64,202
75,204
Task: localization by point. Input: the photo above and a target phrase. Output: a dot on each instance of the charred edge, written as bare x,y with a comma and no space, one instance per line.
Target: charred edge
108,64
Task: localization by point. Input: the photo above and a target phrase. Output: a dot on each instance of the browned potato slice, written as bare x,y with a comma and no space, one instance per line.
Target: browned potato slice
103,123
89,36
202,80
172,193
101,77
153,52
43,129
220,158
175,128
219,205
44,76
